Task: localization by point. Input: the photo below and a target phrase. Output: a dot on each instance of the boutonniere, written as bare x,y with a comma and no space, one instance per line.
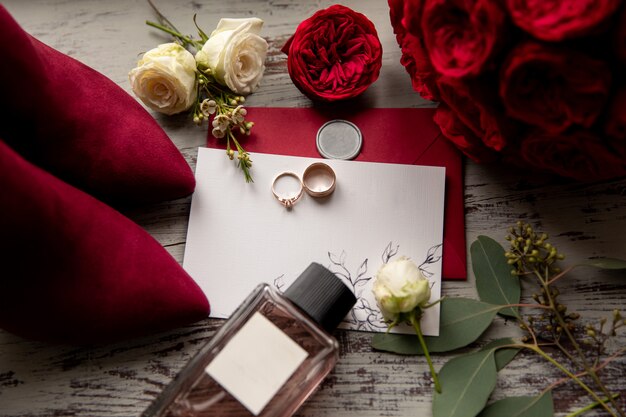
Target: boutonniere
227,66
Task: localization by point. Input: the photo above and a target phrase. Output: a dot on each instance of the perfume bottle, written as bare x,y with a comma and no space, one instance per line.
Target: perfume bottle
269,357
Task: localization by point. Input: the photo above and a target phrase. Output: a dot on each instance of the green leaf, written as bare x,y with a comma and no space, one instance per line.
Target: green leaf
462,322
605,263
494,281
466,383
540,406
503,355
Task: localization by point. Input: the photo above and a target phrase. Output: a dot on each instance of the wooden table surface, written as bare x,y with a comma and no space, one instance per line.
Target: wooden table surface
584,220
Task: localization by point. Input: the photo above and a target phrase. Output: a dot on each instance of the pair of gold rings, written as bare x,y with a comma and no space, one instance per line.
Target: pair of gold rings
318,180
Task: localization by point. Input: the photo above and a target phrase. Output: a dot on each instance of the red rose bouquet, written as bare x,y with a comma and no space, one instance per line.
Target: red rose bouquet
334,55
540,83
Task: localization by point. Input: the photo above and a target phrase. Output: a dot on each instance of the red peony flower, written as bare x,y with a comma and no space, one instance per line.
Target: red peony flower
556,20
578,154
334,55
461,36
553,88
470,103
462,136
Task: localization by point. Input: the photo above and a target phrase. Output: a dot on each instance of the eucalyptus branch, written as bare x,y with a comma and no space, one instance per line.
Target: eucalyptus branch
584,373
566,353
530,330
528,306
588,368
530,253
551,325
592,406
573,377
561,274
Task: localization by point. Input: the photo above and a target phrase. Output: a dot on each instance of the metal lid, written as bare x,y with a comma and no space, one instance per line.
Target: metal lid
339,139
322,295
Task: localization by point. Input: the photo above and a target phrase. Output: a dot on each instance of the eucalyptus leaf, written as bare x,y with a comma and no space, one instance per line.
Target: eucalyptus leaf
494,281
605,263
540,406
466,383
462,321
503,355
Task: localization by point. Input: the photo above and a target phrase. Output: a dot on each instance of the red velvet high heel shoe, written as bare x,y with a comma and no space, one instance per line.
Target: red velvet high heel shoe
75,270
80,126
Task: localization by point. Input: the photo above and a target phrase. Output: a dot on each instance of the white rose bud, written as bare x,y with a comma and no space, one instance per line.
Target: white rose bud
400,287
236,53
165,79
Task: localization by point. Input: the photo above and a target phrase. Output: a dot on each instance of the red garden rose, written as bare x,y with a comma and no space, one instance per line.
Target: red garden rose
460,35
615,125
462,136
334,55
472,106
578,154
409,14
496,83
553,88
405,18
620,37
417,63
556,20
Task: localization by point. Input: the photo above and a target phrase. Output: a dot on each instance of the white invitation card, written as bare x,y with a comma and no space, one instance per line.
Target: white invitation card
240,236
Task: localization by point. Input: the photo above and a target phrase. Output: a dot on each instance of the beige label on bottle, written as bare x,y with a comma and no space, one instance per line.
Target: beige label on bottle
256,363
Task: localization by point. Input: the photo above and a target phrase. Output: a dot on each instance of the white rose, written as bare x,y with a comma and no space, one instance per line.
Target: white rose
165,79
236,54
400,287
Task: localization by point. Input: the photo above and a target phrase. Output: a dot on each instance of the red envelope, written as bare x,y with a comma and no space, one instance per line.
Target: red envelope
401,136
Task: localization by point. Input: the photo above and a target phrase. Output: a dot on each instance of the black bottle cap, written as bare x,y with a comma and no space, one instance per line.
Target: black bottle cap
322,295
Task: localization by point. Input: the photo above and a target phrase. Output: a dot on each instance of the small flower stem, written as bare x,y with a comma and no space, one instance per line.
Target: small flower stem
241,152
527,305
161,16
561,275
185,39
592,406
167,30
574,378
581,374
563,350
418,330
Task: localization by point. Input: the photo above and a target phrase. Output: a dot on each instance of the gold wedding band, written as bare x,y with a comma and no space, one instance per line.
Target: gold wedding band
288,202
319,180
